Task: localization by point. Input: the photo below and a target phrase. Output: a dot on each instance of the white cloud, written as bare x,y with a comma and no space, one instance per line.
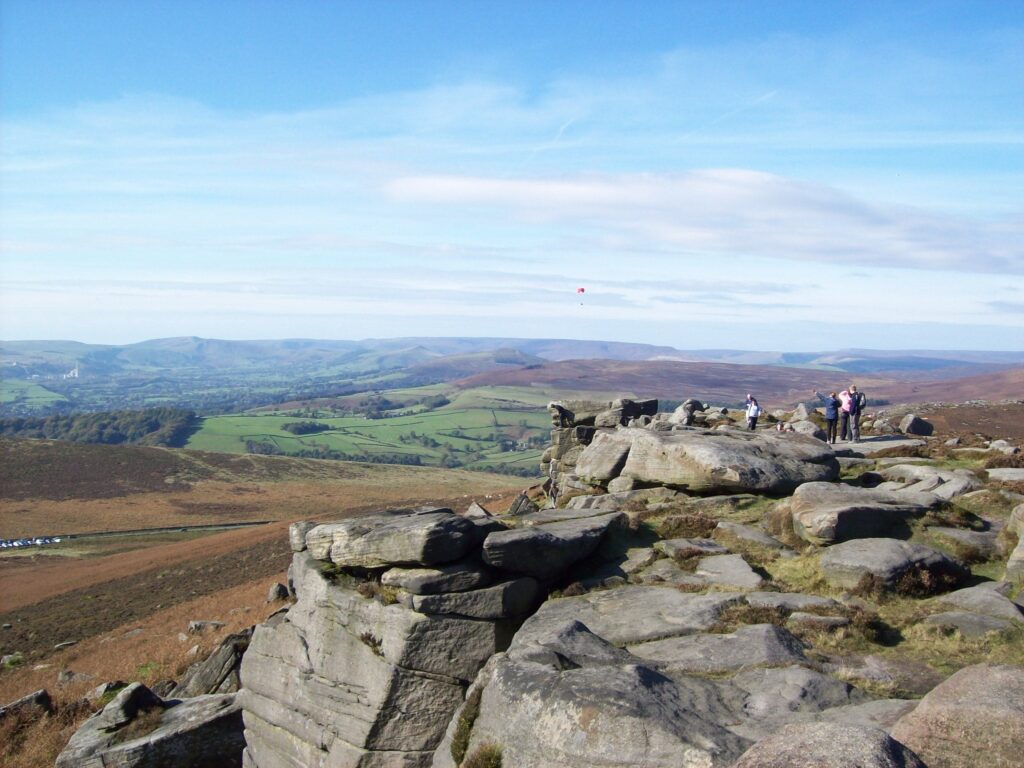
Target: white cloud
738,212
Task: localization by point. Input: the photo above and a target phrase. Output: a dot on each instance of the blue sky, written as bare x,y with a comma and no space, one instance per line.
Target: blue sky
795,176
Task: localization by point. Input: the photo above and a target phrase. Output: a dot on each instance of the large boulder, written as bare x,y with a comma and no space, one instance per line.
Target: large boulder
891,565
394,538
829,745
708,461
567,699
809,428
912,424
972,718
137,729
824,513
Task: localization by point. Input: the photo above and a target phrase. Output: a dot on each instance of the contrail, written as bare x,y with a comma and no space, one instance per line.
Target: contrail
731,113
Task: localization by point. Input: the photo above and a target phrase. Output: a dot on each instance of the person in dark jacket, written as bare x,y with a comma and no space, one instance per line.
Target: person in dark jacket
857,403
832,406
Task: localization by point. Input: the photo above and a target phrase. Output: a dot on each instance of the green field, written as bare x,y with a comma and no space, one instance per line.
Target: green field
479,429
27,393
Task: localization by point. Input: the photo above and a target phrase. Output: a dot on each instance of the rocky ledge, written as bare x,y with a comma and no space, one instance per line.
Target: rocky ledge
682,593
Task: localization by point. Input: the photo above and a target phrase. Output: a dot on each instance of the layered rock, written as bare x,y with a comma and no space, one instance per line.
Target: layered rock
826,513
707,462
396,614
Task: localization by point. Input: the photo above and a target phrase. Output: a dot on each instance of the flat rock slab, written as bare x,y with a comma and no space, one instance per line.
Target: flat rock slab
984,599
1006,474
824,513
511,599
689,547
983,542
633,614
399,538
543,551
790,601
968,624
772,693
978,708
613,502
453,577
556,515
749,534
668,571
756,645
728,571
871,445
888,561
708,461
828,745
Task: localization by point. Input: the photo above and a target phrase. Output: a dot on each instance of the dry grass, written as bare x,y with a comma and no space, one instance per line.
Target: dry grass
484,756
156,653
1015,460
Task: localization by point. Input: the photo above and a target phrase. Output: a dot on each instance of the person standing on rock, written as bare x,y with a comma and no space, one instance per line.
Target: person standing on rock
832,405
844,414
753,411
857,403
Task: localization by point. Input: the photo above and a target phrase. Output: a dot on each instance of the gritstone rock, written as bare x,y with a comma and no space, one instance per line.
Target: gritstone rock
708,462
824,513
829,745
977,711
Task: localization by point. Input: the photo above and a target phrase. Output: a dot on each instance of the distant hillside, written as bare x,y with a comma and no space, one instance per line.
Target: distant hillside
1002,385
717,382
215,376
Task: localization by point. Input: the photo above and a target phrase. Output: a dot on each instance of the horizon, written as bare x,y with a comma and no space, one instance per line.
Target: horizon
254,340
800,177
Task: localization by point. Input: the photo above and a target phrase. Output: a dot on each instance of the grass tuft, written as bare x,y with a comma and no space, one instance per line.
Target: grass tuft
464,727
484,756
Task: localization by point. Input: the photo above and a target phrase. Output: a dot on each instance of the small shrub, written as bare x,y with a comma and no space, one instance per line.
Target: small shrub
1013,486
690,525
1014,461
484,756
737,615
574,590
914,582
374,590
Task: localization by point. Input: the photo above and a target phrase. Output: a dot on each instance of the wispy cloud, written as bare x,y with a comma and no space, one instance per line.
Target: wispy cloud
733,211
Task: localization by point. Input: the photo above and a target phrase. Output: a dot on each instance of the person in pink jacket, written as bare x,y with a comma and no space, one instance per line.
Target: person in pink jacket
846,400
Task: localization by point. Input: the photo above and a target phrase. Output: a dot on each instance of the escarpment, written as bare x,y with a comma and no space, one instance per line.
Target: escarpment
678,592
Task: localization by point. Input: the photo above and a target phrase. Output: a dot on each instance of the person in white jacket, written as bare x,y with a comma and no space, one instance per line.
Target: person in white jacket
753,411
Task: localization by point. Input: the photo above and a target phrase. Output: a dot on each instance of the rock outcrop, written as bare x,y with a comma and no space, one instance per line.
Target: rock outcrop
629,619
703,462
973,718
138,729
396,614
